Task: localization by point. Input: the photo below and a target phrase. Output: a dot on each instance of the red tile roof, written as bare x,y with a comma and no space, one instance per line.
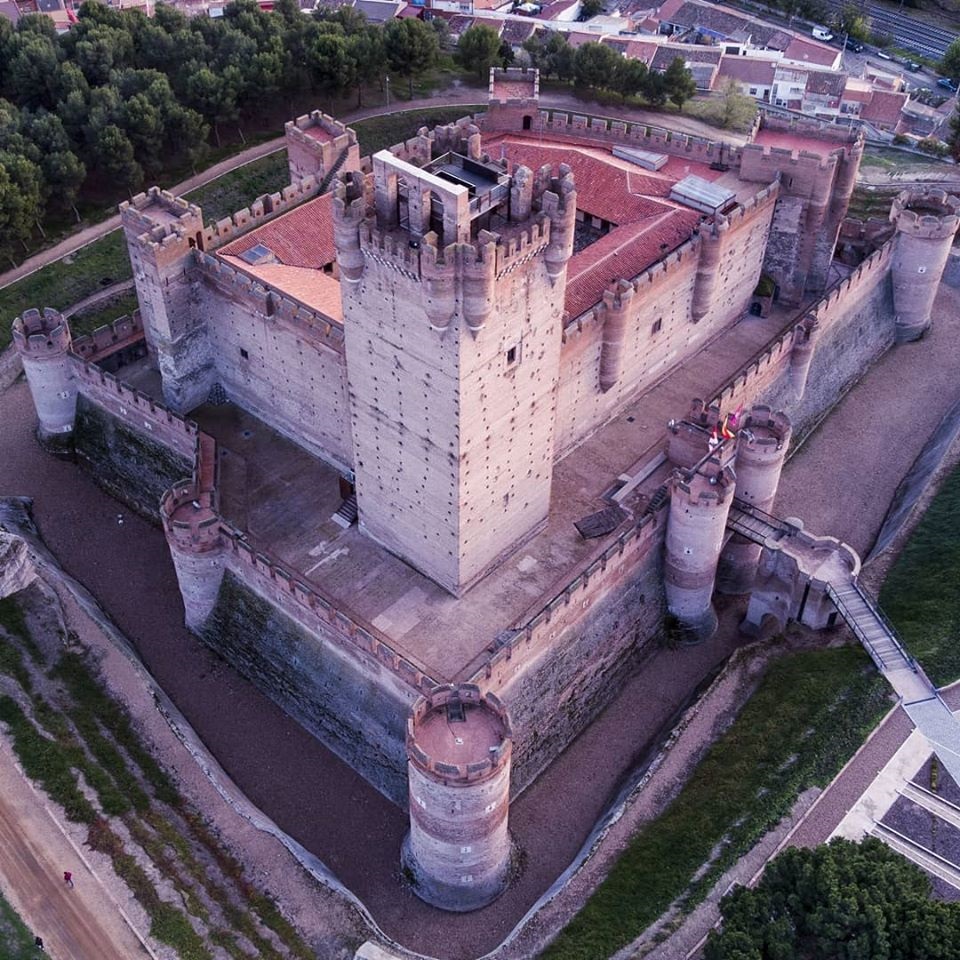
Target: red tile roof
883,107
301,238
749,70
624,252
807,51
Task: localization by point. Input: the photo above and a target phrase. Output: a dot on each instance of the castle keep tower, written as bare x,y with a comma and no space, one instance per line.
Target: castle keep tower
43,342
458,850
762,443
700,500
162,232
318,146
452,278
926,223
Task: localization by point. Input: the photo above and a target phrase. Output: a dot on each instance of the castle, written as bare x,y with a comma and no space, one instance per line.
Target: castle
405,423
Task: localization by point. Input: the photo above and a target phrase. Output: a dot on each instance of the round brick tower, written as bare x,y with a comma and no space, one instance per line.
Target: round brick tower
926,222
43,342
457,853
192,527
699,504
762,443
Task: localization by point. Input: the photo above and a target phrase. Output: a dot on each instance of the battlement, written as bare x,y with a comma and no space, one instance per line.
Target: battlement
543,623
580,127
136,408
190,518
929,213
161,215
761,433
754,155
262,209
481,727
108,339
514,86
462,136
711,485
810,127
38,335
319,131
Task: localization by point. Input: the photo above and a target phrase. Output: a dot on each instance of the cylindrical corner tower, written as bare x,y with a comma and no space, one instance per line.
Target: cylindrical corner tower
708,268
617,300
457,854
926,222
699,505
43,342
192,527
762,443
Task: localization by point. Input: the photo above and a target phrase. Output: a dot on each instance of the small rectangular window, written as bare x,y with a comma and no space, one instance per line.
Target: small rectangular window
244,354
657,325
512,355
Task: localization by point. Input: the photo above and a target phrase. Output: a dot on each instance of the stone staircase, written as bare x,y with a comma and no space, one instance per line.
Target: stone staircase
348,512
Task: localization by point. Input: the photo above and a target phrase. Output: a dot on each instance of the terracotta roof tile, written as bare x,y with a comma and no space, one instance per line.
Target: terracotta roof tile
303,237
749,69
883,107
807,51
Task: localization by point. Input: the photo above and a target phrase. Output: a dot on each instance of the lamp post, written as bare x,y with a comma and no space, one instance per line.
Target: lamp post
386,80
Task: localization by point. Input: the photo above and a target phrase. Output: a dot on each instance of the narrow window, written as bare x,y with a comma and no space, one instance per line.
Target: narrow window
512,355
657,324
244,354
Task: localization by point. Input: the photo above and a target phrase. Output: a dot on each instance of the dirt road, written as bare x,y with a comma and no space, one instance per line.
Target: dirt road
82,923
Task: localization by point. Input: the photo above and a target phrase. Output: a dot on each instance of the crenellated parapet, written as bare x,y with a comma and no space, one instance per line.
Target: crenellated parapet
111,338
558,200
470,697
317,144
41,335
163,217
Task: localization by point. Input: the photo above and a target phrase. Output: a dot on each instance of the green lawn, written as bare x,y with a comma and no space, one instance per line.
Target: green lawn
920,595
16,941
810,713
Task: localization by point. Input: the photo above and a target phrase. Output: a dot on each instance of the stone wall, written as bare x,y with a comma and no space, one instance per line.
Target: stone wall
357,709
280,363
130,464
659,333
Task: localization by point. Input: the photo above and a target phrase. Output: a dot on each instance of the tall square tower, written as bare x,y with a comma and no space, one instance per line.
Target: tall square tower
453,276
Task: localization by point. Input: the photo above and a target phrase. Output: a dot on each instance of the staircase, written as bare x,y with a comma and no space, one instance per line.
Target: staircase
348,512
334,170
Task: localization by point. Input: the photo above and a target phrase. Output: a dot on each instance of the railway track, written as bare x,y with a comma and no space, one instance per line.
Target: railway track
906,32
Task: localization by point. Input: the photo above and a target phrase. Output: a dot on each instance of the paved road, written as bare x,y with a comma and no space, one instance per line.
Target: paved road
82,923
465,95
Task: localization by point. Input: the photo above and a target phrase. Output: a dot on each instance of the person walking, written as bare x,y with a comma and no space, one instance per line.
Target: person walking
68,878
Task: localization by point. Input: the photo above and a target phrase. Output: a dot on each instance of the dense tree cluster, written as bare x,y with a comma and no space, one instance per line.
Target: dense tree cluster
122,96
599,67
842,901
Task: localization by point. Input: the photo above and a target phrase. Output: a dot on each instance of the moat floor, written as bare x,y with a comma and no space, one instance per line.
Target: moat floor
333,812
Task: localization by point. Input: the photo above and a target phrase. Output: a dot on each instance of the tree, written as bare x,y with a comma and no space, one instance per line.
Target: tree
655,88
332,67
558,57
853,22
590,8
115,159
631,76
739,110
595,66
950,64
842,901
366,51
21,202
679,83
479,49
411,47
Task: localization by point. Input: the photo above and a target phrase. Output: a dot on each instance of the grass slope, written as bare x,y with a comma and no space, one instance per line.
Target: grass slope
809,714
920,595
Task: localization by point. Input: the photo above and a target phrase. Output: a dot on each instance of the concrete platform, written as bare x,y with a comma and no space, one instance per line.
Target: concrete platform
284,498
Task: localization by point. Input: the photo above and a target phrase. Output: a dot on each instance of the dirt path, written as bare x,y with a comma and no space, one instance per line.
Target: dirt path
465,95
82,923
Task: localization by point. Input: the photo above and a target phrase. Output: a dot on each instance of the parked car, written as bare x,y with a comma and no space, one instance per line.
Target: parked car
950,85
883,55
821,33
911,65
856,46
